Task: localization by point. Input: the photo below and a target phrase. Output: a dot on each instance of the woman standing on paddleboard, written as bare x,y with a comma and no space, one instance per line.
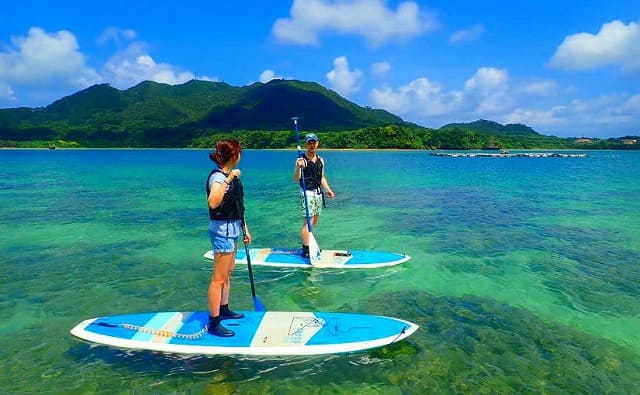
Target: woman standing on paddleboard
226,213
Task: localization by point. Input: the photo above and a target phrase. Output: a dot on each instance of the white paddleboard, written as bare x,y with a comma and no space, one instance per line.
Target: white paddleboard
292,257
259,333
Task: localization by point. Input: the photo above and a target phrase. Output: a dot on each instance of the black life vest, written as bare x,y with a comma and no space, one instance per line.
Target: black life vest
312,173
232,205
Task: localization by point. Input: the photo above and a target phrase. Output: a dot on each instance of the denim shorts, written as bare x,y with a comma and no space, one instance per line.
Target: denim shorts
221,243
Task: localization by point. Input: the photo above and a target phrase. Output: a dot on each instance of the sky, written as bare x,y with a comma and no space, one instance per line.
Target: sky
566,68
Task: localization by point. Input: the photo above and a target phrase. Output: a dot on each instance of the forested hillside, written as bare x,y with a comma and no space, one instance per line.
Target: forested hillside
198,113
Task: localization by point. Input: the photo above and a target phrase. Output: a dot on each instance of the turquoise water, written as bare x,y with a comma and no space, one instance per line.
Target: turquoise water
524,275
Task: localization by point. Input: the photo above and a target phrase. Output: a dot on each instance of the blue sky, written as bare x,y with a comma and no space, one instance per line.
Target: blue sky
566,68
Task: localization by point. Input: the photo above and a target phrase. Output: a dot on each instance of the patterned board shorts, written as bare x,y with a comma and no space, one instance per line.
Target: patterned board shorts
315,203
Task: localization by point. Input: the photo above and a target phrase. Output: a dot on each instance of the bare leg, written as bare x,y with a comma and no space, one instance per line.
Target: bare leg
226,290
219,286
223,264
304,232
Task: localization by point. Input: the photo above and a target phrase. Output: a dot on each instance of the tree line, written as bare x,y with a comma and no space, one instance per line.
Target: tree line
386,137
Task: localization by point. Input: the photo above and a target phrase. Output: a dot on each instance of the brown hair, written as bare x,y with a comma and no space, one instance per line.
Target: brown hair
226,150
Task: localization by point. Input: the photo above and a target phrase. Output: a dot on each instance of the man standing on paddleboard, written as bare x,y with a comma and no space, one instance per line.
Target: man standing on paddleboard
311,165
226,213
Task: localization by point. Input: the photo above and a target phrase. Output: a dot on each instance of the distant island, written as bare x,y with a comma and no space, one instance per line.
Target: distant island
199,113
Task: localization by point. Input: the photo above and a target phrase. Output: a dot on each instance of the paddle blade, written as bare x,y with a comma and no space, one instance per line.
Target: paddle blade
314,250
257,304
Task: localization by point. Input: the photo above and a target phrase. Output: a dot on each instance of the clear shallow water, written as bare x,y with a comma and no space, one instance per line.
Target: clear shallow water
524,274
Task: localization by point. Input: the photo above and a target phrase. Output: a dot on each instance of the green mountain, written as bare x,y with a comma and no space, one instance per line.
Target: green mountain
199,113
270,107
155,114
493,128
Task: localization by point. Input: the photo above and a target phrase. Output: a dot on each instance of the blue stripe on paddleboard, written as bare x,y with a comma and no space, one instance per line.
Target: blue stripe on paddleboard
244,328
358,257
241,254
156,322
349,328
192,325
371,257
109,326
286,255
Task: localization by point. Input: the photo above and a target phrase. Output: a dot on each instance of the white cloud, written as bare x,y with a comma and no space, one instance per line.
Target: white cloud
618,107
420,98
371,19
487,79
43,58
632,106
268,75
43,67
6,92
380,68
471,34
134,65
597,115
487,95
553,117
615,44
343,80
488,90
541,88
116,35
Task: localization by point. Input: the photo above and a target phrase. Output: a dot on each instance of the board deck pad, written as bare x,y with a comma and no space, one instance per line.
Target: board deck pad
292,257
259,333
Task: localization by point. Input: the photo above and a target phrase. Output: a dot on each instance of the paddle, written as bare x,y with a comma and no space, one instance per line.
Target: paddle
257,304
314,249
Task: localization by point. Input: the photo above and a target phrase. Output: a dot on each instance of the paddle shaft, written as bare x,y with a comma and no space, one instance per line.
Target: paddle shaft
304,185
257,304
246,252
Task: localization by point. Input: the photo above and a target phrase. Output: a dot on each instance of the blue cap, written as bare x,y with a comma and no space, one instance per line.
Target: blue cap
310,137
